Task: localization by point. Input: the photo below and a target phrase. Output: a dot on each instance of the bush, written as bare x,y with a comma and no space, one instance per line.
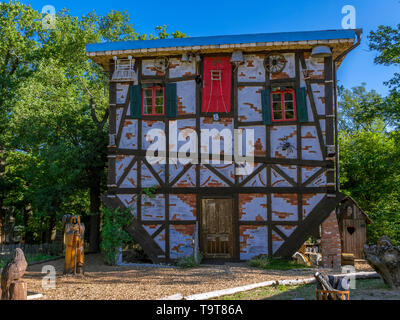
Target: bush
268,263
113,234
189,261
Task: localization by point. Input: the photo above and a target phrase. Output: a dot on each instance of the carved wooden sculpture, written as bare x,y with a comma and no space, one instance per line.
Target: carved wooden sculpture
385,259
74,249
12,288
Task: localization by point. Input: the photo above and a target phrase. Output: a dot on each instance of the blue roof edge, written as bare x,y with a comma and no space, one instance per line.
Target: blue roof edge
227,39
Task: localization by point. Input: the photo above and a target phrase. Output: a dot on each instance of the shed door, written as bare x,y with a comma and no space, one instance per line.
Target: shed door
217,228
354,237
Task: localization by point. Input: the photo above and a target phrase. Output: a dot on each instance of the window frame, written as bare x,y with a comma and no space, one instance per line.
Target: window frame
283,106
153,99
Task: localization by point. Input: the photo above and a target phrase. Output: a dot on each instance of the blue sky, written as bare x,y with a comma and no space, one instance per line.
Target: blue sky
205,17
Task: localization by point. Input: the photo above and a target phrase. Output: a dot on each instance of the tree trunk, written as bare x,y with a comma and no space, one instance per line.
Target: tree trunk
50,232
28,213
2,237
385,259
2,209
42,230
95,203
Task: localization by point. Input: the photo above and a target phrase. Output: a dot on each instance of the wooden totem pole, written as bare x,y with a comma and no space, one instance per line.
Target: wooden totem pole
74,245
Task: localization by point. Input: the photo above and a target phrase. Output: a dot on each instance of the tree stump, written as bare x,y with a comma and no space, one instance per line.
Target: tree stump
18,291
385,259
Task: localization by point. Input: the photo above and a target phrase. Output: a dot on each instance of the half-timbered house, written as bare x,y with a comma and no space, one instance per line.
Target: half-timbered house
278,87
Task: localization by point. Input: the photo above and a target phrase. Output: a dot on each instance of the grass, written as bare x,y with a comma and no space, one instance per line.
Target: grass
189,261
274,264
365,290
29,258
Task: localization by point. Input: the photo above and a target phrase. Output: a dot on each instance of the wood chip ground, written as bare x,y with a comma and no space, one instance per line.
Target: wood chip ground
102,282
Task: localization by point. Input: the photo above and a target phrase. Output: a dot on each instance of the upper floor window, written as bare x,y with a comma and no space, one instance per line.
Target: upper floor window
283,104
153,101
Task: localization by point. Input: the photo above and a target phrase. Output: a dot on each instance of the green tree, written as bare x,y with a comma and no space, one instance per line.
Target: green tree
370,172
359,109
59,120
20,26
370,159
386,42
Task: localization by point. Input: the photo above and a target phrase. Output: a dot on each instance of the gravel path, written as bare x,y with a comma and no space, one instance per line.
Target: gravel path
102,282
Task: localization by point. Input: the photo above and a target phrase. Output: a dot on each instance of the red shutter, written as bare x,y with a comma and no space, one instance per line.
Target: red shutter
217,84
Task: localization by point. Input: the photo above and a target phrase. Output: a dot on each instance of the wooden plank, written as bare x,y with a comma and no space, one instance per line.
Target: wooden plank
318,215
223,191
314,109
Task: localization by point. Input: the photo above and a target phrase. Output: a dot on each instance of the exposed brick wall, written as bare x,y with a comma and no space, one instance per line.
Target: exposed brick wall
330,243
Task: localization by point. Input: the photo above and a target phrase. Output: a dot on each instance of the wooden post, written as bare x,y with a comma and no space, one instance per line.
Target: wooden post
196,242
18,290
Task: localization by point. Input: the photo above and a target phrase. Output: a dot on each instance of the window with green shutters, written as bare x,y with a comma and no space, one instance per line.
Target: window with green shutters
153,100
284,105
301,103
171,100
136,101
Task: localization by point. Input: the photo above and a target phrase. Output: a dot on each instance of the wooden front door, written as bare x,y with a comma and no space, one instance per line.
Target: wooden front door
216,232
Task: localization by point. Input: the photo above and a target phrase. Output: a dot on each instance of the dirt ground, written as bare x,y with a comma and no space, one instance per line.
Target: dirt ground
102,282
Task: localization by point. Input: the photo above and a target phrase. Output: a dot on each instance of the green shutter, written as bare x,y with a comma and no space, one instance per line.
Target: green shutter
301,104
136,101
266,106
171,100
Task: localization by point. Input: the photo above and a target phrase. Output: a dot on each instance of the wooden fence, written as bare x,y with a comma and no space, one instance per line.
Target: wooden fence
51,249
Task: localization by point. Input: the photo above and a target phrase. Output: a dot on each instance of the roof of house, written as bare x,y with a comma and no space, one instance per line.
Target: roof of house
223,40
348,198
338,40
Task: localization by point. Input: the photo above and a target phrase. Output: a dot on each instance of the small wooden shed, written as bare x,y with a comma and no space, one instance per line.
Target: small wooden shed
352,222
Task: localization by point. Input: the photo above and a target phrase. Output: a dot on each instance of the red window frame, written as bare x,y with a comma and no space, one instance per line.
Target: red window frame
153,99
283,106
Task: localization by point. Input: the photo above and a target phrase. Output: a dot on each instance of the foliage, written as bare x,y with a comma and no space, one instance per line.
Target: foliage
189,261
359,109
113,234
20,26
386,42
30,258
370,172
53,115
268,263
369,143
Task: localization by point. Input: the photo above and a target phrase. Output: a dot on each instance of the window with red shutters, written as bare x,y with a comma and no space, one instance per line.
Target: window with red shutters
283,105
153,101
217,85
